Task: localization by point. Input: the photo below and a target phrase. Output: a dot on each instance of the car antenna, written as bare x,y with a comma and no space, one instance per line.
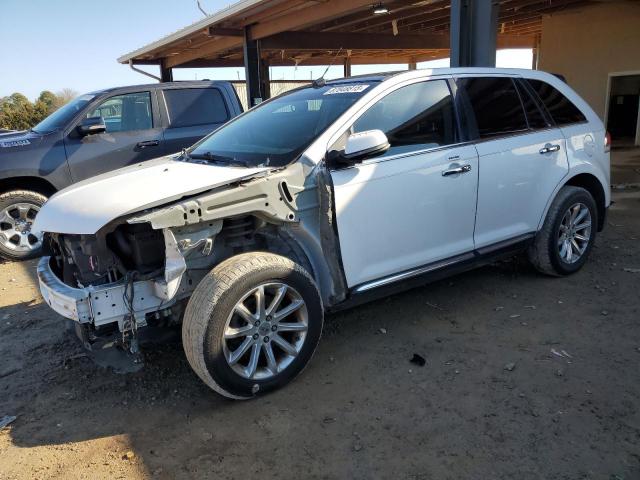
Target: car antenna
320,82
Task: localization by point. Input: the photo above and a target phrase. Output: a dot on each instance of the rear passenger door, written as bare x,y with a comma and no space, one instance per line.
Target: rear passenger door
522,157
190,114
579,134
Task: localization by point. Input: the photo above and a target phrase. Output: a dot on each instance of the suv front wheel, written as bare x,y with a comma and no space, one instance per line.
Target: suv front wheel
18,210
563,244
252,324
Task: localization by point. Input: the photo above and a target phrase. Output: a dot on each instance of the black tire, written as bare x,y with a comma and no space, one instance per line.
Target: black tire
211,305
544,254
16,197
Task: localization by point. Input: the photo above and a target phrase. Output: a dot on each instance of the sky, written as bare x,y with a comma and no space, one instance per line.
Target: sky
56,44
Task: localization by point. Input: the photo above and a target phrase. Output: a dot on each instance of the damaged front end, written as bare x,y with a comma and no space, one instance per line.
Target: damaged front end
116,281
139,269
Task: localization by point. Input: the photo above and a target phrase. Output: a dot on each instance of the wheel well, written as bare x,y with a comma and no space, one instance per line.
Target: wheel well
35,184
591,184
249,233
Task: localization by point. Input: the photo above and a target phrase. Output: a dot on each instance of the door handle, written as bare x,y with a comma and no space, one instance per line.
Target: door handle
548,148
456,170
148,143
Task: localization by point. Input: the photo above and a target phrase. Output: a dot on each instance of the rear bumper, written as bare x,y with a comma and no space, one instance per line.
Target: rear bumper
73,303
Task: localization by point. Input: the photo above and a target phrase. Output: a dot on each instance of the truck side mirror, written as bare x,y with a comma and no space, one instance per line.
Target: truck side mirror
364,145
91,126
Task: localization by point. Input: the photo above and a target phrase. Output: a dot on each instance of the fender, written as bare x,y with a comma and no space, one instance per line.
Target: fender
574,171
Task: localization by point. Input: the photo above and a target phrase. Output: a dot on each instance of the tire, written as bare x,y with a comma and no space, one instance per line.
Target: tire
546,253
212,317
18,208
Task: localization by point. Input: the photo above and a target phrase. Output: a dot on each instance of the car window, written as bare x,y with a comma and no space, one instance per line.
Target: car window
495,104
195,106
535,117
415,117
60,117
125,113
277,131
560,107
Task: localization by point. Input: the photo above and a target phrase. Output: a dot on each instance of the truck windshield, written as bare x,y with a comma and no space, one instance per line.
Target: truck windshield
275,133
63,115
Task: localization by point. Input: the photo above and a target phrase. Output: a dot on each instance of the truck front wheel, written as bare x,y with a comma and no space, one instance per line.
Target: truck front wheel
18,210
252,324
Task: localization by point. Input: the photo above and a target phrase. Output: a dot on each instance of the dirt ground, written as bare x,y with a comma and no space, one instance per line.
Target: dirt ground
492,402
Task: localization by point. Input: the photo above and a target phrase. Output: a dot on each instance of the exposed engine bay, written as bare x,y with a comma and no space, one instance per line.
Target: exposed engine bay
140,269
139,276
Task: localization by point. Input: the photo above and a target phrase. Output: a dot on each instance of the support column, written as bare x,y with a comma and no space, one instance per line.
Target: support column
412,66
256,71
536,53
166,74
474,31
347,67
265,79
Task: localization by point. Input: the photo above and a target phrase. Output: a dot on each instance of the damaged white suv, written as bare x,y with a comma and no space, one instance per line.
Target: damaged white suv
321,198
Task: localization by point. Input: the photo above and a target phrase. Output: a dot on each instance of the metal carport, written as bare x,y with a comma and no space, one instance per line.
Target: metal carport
257,34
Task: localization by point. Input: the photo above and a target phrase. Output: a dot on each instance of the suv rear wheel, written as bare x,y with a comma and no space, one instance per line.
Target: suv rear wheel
567,236
18,210
252,324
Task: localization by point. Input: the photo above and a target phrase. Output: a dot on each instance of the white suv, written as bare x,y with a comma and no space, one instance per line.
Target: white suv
322,198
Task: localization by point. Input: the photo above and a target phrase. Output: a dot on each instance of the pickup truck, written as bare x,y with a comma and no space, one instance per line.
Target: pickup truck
95,133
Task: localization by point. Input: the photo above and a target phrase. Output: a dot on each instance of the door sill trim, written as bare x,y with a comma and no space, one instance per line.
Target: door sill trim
398,277
473,258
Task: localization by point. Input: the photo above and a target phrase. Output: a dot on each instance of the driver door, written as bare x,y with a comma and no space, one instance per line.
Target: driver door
408,207
133,135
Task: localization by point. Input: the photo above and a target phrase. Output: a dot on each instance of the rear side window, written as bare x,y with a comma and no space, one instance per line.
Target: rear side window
560,107
195,106
496,105
535,117
415,117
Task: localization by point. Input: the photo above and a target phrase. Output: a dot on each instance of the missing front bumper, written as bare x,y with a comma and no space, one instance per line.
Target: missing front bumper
69,302
100,305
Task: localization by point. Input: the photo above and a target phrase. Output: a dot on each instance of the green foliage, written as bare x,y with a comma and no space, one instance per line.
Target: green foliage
18,113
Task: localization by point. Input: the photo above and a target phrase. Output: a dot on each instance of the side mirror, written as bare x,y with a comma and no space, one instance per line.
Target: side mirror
91,126
365,144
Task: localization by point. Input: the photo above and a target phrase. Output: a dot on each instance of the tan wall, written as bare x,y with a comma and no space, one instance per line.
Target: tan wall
588,43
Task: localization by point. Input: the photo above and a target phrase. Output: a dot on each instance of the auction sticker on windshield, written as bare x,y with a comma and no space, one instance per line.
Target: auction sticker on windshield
346,89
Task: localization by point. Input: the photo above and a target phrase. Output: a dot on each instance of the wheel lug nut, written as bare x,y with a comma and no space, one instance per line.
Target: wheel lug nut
255,336
266,339
257,323
269,318
274,328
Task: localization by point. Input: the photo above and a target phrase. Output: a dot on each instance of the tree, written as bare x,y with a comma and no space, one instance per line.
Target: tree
45,105
50,99
18,113
66,95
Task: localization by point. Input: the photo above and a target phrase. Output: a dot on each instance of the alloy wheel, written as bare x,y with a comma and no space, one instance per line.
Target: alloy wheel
574,233
265,331
16,223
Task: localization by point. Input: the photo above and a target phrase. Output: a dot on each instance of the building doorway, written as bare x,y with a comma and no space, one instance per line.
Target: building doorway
623,112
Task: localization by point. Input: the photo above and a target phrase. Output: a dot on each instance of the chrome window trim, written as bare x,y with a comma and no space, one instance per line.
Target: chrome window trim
374,161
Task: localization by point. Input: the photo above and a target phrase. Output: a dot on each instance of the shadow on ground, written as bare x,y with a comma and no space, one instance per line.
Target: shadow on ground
566,407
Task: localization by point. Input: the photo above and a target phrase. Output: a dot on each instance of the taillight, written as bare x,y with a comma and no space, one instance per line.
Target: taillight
607,142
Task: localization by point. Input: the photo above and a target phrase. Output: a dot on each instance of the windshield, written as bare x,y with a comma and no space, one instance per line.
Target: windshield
60,117
275,133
